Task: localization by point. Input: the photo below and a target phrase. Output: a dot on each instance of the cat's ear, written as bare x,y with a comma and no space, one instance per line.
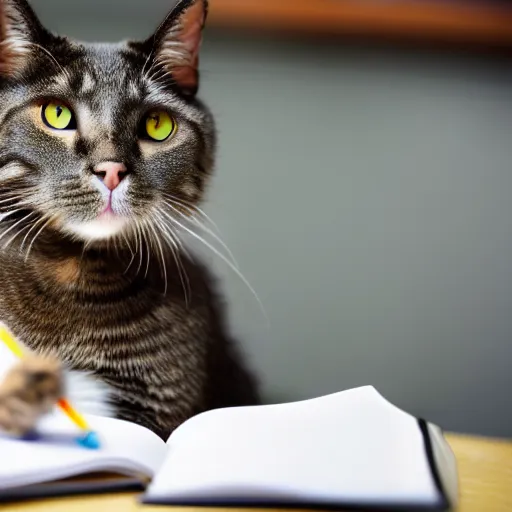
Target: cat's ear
20,33
177,42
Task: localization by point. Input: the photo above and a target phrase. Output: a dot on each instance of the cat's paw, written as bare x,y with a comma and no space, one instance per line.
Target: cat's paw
28,391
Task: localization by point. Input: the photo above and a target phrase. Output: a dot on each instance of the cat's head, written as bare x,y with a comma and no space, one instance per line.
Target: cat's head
97,140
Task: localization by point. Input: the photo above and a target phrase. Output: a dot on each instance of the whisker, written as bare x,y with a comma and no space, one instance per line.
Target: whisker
34,226
145,234
195,209
114,241
162,257
8,214
209,231
221,256
14,237
182,271
16,224
139,240
132,253
86,246
128,244
13,198
181,245
174,246
130,263
36,235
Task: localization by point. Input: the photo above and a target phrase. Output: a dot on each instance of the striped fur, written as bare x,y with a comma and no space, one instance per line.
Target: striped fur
148,324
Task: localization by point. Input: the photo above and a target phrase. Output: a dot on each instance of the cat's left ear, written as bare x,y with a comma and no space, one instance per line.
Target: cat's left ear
177,42
20,33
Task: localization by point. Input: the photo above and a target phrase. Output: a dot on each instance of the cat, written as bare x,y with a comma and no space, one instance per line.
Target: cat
105,153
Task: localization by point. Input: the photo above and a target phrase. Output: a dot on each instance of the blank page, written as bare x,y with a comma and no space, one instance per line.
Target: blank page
349,447
126,448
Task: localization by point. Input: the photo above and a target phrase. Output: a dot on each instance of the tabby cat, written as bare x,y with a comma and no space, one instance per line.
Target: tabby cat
105,153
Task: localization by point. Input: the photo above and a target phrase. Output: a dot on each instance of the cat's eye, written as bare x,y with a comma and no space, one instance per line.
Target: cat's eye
158,125
58,116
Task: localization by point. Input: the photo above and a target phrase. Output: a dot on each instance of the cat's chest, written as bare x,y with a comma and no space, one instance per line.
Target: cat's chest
152,360
127,330
113,339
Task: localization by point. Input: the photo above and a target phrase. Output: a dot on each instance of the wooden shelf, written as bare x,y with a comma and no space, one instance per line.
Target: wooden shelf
456,21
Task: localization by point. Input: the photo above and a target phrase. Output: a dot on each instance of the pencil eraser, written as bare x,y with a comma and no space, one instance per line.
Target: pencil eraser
89,440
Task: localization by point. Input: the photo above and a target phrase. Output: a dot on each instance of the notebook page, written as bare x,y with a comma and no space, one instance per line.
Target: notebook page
125,447
352,446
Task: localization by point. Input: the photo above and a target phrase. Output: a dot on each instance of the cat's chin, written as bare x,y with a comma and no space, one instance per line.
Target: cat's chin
102,228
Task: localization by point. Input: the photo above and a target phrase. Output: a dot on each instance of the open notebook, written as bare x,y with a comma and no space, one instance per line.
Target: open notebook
348,449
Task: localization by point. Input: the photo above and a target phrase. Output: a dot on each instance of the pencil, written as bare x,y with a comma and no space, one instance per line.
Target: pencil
73,414
63,404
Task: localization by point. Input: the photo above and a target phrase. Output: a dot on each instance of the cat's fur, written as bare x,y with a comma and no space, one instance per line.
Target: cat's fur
109,296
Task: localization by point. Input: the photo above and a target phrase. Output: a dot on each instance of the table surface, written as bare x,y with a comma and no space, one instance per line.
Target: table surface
485,479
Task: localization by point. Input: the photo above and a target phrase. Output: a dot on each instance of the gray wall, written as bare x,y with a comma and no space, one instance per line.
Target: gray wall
366,195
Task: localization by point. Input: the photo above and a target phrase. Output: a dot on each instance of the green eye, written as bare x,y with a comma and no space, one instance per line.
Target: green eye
58,116
159,125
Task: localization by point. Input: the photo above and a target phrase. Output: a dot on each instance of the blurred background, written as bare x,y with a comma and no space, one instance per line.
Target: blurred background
363,183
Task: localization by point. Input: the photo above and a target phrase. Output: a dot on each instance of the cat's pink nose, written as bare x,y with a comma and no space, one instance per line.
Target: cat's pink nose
111,173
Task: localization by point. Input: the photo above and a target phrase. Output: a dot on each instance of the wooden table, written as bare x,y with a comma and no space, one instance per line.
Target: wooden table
485,471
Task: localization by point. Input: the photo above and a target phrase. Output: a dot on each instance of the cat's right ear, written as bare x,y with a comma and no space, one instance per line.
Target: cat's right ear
20,34
176,43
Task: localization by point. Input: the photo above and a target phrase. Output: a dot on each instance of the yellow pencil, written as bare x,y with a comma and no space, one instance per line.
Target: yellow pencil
90,439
